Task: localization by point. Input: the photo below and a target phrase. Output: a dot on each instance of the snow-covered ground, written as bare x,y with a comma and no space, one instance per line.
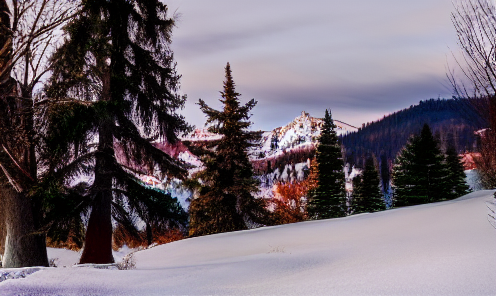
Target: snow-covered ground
446,248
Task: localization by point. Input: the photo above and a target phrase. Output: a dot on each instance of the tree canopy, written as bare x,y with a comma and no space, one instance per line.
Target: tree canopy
329,198
420,174
114,89
226,201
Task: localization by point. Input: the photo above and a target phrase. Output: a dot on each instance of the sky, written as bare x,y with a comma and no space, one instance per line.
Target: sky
362,59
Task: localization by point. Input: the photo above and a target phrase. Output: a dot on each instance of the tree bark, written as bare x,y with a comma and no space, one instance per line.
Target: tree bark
3,231
98,241
23,245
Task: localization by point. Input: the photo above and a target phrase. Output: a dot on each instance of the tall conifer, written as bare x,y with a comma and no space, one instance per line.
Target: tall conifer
329,198
456,174
367,195
420,174
226,201
114,81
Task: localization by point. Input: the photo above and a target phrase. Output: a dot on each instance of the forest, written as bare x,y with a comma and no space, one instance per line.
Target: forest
453,123
81,121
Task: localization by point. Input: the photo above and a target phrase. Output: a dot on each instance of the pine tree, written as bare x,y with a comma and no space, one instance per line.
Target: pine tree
274,142
368,197
114,80
329,199
357,195
226,201
419,174
456,174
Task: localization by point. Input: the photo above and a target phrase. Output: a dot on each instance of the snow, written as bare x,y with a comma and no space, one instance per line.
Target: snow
444,248
302,131
473,180
63,257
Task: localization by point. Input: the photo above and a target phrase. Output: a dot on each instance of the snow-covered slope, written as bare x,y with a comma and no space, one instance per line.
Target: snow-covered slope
445,248
303,130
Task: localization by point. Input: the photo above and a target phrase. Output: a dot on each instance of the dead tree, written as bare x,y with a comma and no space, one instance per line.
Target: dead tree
28,33
475,24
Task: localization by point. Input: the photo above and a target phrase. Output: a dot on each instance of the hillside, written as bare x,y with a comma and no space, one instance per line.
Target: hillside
287,145
453,122
283,153
444,248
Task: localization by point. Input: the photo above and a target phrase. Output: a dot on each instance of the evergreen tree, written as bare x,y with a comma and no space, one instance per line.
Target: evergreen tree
114,81
357,194
456,174
274,142
368,197
226,201
329,198
419,174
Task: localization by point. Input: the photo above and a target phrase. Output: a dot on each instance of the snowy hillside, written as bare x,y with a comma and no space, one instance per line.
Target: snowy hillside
443,248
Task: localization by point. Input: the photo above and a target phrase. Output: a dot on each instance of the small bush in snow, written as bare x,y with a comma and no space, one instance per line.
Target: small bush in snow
52,262
127,262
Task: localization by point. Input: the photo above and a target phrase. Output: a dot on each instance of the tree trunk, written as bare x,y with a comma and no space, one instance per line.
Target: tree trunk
3,231
149,234
98,241
23,246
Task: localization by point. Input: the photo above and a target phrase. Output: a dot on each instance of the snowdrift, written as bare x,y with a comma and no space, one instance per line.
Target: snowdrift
446,248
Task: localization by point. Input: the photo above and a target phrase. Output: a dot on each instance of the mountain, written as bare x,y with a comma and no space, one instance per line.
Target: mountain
286,145
284,152
453,122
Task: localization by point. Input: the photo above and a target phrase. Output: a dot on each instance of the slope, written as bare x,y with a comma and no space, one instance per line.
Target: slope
453,122
444,248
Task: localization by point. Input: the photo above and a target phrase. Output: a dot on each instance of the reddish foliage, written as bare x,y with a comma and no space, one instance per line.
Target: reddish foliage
160,236
289,204
290,201
69,244
468,160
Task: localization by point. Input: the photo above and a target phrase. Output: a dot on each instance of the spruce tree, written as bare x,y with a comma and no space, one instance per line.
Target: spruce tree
274,143
329,198
114,86
368,197
226,201
456,174
419,173
357,195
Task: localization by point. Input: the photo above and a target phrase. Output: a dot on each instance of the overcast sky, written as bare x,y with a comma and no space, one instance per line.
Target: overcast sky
361,58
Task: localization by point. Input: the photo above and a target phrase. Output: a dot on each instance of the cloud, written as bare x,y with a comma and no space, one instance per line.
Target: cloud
362,58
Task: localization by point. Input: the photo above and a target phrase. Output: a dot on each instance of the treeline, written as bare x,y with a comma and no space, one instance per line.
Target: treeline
279,161
453,122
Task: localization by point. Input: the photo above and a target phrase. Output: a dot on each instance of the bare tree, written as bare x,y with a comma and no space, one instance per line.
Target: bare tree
475,24
29,32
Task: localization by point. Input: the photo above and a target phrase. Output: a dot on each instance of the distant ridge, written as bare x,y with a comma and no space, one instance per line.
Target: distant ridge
453,122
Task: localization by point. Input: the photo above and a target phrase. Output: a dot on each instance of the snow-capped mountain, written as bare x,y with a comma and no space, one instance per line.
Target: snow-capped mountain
302,131
282,155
